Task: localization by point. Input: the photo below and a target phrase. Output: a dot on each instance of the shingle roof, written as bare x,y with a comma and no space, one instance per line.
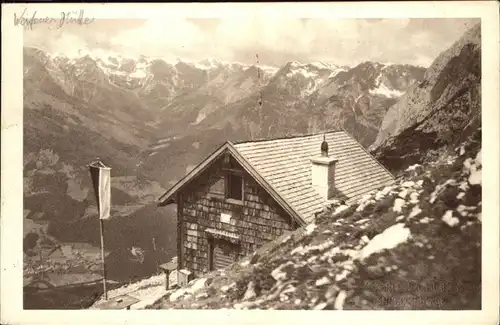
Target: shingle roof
283,168
286,166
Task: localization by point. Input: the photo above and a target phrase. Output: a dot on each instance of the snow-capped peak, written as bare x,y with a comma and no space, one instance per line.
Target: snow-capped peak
336,71
108,57
207,64
308,70
323,65
294,64
267,68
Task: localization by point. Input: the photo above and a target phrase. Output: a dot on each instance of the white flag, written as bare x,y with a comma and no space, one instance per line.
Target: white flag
101,179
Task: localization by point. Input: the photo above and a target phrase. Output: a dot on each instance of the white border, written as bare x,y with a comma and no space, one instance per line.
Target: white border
12,161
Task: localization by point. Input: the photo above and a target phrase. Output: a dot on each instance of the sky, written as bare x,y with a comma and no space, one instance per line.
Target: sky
276,41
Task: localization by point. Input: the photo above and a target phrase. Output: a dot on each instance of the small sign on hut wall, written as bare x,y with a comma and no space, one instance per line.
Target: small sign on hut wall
224,217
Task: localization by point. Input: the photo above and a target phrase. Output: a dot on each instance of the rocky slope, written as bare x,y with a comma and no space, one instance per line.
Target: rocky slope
442,107
414,245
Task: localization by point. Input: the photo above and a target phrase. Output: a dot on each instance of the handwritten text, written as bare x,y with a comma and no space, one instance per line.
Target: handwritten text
66,18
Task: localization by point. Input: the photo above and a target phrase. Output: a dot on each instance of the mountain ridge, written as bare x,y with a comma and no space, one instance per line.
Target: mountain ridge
447,68
443,109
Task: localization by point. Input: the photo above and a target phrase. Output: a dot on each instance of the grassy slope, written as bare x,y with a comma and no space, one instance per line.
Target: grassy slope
438,267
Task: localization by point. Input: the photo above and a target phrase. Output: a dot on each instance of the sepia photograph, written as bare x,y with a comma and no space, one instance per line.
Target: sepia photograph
253,161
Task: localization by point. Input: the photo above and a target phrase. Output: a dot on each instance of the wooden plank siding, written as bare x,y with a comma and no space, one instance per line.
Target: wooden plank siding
255,221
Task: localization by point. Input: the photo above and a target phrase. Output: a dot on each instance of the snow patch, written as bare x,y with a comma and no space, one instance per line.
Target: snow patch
479,158
250,293
364,202
415,211
449,219
385,91
323,281
439,189
473,168
414,197
177,294
464,210
388,239
475,177
336,72
339,301
198,285
342,276
278,274
413,167
320,306
398,205
161,146
403,193
322,65
298,250
310,228
384,192
408,184
340,209
464,186
201,116
138,74
425,220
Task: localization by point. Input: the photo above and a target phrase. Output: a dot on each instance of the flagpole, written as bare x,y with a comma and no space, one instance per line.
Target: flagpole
102,191
103,262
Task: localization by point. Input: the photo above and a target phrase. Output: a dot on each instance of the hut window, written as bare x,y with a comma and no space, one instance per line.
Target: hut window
217,187
235,187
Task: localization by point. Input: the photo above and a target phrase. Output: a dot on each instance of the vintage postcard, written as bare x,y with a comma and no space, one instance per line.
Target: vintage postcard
239,163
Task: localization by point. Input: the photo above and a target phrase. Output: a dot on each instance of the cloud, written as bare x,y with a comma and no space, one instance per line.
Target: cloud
159,36
277,39
60,42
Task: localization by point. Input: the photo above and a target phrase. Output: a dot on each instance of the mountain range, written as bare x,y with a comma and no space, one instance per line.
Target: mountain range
153,120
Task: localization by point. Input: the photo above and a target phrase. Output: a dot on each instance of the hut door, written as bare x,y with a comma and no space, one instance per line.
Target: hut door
224,254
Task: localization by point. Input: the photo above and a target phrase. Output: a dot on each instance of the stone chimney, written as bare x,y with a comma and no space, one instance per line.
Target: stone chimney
323,172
